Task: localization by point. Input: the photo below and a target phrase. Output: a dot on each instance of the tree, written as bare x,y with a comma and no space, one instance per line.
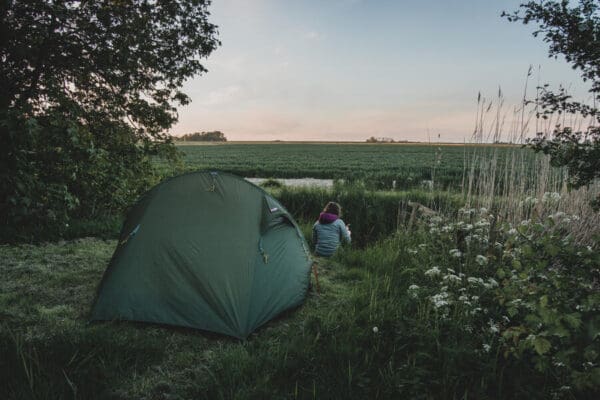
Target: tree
212,136
88,90
573,31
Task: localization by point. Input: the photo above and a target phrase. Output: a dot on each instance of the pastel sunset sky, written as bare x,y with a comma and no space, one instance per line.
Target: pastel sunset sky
345,70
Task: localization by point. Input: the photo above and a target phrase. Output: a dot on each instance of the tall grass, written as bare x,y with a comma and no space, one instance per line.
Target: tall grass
515,185
373,215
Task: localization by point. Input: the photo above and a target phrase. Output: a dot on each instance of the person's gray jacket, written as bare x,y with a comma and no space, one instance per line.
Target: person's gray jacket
327,237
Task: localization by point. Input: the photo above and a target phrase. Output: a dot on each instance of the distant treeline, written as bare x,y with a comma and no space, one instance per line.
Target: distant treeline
374,139
214,136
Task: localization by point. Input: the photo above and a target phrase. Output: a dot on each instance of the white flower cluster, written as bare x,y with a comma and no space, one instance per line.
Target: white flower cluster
451,278
440,300
529,201
550,197
413,291
456,253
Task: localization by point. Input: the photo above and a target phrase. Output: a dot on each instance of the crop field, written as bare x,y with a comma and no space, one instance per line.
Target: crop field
379,165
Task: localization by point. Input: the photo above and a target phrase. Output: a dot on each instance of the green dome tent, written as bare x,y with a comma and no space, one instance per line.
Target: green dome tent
205,250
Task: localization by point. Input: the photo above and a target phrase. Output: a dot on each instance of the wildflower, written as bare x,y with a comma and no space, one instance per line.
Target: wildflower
482,223
375,329
463,298
436,219
512,231
481,260
473,280
413,291
452,278
456,253
492,282
486,347
440,300
433,271
411,251
493,327
550,197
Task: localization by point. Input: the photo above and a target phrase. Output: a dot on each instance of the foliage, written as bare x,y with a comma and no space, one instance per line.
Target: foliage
212,136
456,308
574,32
532,291
87,92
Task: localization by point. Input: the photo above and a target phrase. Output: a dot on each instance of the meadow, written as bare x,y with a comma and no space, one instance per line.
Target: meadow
495,296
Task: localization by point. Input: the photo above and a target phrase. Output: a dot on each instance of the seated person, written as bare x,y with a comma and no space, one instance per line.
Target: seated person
329,231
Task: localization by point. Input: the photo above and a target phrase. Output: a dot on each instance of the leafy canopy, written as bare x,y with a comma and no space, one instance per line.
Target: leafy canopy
88,90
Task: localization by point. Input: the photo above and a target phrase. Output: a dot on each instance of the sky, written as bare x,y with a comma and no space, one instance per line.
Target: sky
346,70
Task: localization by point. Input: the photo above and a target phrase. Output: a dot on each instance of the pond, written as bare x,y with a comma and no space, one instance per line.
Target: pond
298,182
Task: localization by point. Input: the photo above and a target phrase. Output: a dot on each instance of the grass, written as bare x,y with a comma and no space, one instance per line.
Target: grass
379,328
50,350
462,305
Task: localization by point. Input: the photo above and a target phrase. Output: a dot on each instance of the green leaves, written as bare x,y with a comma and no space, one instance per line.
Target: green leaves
572,30
86,96
541,345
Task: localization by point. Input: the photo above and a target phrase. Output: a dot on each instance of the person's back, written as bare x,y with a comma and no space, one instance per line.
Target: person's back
329,231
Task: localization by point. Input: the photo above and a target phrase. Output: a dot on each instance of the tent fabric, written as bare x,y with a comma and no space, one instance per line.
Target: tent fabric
205,250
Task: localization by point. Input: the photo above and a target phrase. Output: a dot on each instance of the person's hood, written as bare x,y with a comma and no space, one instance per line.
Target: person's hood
327,218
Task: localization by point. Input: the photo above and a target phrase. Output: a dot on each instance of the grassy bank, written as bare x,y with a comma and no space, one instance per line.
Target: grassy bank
462,309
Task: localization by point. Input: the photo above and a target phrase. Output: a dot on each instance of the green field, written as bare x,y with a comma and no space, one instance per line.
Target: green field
377,164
